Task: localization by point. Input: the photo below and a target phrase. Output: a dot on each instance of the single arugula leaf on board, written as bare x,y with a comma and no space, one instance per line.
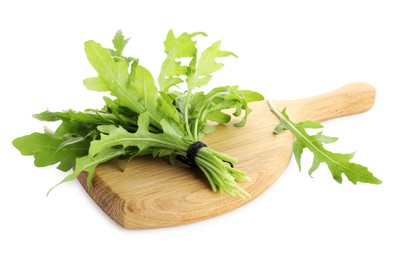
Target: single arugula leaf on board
337,163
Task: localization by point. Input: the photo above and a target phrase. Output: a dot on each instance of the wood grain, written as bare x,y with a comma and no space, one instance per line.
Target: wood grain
150,193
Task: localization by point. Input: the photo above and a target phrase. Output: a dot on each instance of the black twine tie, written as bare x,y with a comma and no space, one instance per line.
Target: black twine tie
191,154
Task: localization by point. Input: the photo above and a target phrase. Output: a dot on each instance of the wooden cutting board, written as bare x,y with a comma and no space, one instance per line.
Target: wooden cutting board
151,193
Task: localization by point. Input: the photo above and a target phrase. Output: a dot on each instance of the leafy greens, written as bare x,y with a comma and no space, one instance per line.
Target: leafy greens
143,119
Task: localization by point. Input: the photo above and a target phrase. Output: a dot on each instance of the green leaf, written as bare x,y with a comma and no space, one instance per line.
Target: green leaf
171,127
46,116
337,163
47,149
86,121
146,93
176,48
207,65
218,117
95,84
142,139
251,96
114,75
168,109
88,164
119,42
325,139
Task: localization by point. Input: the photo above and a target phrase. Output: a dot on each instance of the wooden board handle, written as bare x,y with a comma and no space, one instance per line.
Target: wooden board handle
348,100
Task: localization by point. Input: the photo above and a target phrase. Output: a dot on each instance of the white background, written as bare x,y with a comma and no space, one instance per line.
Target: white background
287,50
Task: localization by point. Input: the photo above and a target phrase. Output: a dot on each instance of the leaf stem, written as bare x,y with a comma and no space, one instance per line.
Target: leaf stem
186,115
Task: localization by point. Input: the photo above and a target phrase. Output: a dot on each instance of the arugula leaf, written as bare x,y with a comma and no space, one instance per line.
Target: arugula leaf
119,43
211,107
143,139
147,92
95,84
114,75
337,163
48,149
88,164
207,64
176,48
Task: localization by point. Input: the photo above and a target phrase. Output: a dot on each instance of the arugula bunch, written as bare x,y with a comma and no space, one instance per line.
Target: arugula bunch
142,119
